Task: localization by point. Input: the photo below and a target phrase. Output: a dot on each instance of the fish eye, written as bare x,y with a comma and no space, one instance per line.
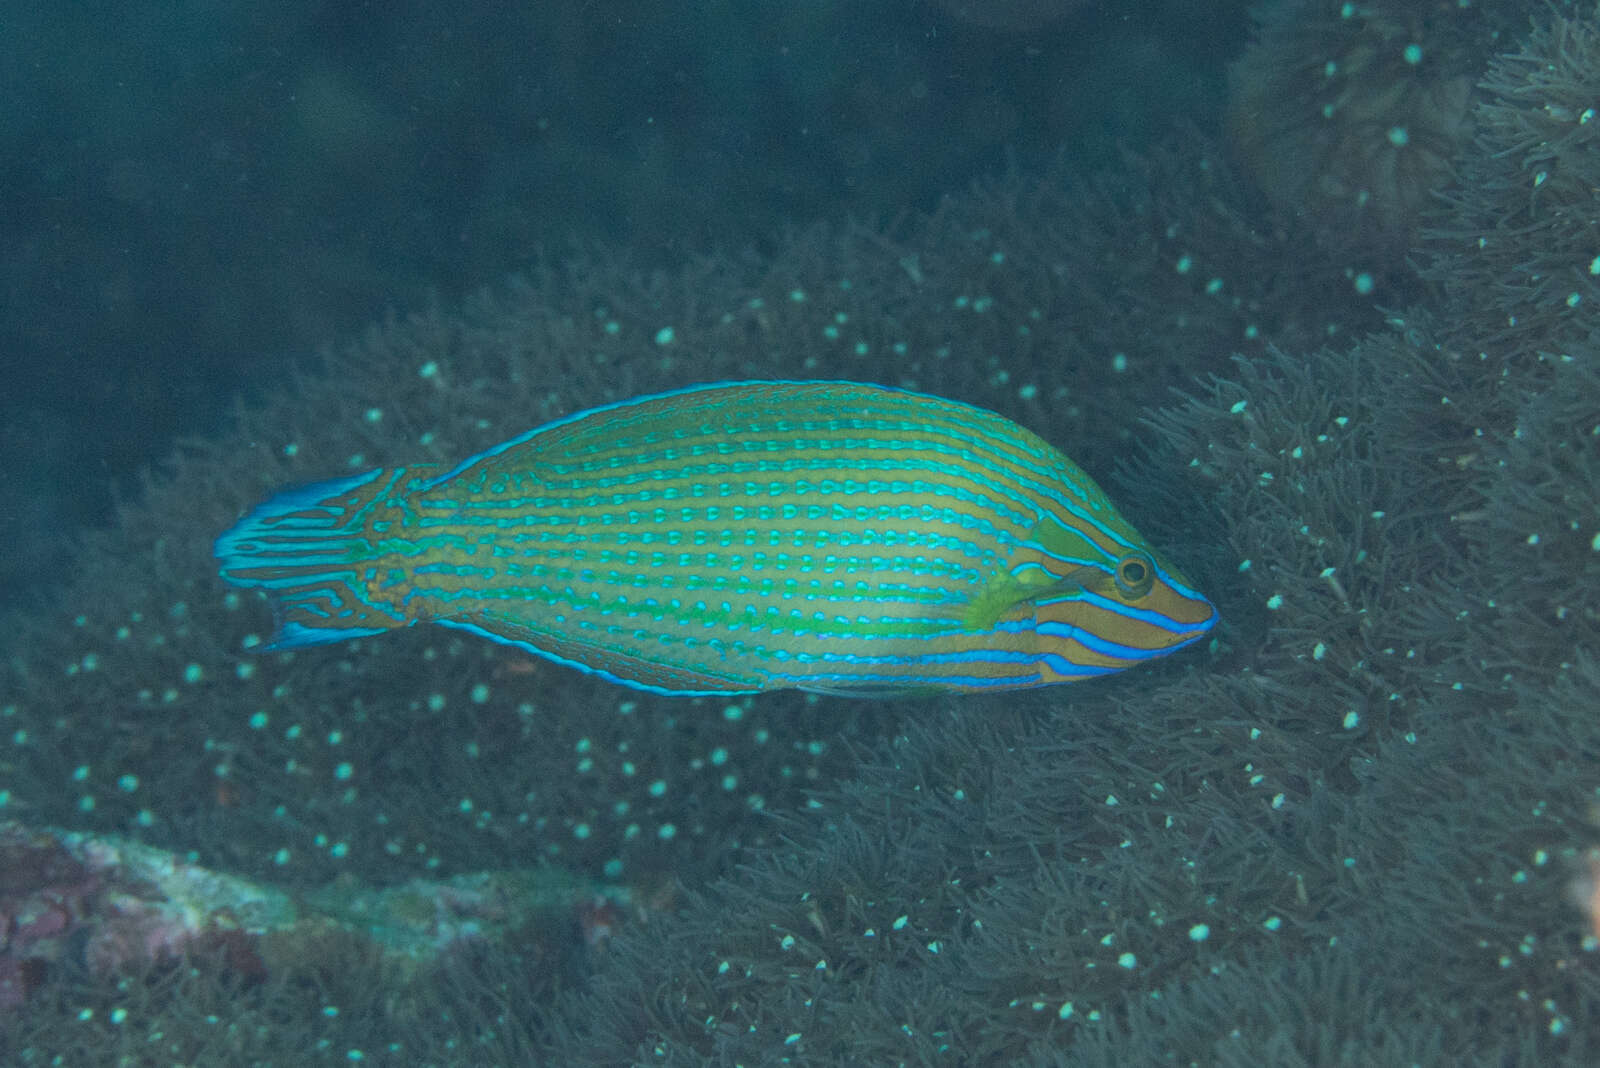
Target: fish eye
1136,573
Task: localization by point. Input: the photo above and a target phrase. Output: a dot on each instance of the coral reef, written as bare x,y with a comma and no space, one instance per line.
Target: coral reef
1355,787
1516,244
1352,831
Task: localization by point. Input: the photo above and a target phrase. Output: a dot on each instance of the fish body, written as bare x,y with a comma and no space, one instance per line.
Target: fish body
828,536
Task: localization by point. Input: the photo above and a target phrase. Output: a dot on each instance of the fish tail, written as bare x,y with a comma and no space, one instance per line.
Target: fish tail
310,550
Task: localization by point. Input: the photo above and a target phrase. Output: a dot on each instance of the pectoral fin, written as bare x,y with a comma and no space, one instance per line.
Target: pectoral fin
1009,595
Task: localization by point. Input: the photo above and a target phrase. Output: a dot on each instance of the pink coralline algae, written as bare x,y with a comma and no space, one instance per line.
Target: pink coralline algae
108,907
111,906
44,893
42,896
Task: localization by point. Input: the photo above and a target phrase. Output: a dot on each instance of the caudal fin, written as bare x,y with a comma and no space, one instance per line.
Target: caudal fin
311,549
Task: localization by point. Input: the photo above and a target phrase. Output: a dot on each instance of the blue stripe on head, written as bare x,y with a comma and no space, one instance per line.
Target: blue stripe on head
1163,575
1096,644
1128,611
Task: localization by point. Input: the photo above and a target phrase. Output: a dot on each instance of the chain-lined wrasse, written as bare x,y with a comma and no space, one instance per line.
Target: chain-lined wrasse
739,537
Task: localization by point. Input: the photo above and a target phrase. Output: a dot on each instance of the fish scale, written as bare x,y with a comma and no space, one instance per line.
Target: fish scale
829,536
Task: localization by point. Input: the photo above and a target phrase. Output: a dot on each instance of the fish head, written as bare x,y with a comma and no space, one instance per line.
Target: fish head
1095,606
